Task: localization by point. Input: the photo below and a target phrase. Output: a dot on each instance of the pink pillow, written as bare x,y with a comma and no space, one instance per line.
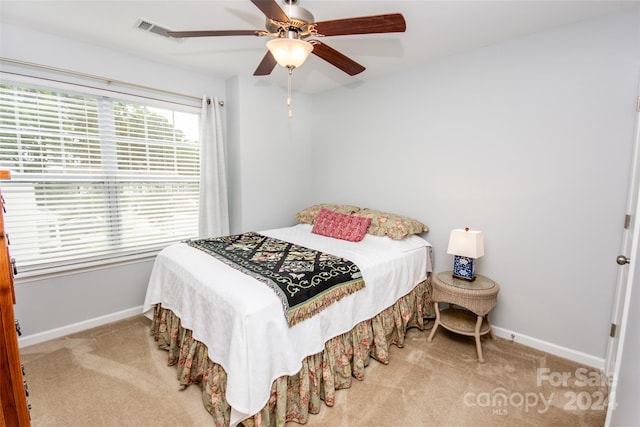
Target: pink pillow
341,226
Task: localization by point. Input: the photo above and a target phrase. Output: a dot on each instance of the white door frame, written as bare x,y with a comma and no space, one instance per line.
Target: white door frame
628,238
622,404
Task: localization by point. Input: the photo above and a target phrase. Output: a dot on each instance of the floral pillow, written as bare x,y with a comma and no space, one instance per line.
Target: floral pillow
309,215
394,226
341,226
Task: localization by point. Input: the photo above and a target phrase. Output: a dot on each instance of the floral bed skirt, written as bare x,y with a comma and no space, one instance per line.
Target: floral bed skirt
294,397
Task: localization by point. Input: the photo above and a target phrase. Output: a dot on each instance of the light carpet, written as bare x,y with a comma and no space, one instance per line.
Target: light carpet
115,375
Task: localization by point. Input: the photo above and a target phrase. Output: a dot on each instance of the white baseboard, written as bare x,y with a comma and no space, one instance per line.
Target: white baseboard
556,350
28,340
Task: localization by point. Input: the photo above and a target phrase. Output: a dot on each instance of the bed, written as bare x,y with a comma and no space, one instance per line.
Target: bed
229,332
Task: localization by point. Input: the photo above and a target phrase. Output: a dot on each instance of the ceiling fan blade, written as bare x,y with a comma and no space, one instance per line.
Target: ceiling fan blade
390,23
271,10
266,66
336,59
215,33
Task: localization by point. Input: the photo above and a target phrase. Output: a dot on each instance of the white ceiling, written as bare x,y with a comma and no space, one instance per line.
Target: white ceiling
435,29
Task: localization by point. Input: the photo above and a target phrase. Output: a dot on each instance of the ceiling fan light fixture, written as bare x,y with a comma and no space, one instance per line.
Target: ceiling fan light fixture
289,53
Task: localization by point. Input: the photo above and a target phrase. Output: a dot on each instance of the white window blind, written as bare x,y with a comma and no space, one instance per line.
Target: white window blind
94,178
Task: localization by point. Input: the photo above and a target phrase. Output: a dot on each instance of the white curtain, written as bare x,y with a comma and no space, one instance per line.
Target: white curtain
214,206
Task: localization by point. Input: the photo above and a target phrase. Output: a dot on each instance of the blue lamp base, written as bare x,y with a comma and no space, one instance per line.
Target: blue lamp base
464,268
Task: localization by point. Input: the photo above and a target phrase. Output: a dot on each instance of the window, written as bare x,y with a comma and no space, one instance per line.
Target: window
95,178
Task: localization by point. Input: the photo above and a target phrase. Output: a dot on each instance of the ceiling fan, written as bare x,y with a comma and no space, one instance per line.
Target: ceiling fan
291,26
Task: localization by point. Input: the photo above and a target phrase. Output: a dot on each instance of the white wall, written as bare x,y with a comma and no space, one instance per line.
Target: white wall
529,141
270,154
63,304
45,49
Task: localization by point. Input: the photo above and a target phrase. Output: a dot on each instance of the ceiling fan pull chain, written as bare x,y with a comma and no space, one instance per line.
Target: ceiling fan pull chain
289,90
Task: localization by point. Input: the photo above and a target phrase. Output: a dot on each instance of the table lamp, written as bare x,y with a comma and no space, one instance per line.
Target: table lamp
466,245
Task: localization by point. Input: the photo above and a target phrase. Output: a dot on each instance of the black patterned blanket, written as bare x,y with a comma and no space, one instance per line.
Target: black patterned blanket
305,280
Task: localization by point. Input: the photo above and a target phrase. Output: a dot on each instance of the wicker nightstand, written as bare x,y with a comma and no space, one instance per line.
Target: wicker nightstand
477,298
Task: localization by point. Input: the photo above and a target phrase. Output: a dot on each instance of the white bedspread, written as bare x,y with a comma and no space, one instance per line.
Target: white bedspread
241,320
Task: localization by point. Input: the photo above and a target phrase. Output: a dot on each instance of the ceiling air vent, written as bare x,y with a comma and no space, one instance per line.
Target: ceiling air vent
150,27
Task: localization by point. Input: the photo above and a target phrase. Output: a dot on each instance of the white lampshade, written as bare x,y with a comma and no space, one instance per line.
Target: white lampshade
289,52
466,243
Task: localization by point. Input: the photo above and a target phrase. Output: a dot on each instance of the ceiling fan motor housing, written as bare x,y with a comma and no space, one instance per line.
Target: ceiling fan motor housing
300,20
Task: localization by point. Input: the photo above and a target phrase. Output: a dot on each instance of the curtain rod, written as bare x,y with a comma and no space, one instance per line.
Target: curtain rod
94,77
